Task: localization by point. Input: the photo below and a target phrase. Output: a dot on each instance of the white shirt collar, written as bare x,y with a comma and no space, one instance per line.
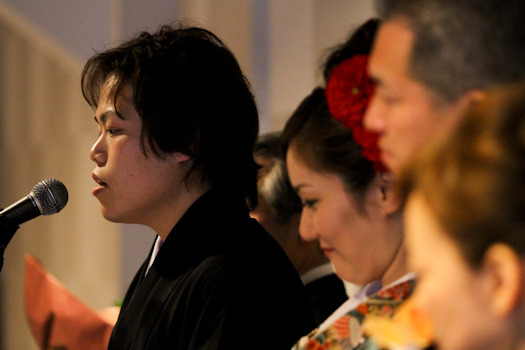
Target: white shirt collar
317,272
156,248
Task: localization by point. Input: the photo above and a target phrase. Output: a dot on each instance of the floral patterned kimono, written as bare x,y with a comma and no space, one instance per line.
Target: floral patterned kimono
343,330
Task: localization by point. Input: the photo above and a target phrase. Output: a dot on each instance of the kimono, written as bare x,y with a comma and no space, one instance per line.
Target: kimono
343,329
219,281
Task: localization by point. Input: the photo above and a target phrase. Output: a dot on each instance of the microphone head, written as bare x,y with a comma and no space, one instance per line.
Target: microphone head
50,195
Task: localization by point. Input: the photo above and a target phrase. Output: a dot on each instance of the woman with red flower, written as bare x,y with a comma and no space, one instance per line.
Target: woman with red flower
348,197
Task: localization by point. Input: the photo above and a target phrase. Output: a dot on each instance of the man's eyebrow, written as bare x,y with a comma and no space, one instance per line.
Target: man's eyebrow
103,118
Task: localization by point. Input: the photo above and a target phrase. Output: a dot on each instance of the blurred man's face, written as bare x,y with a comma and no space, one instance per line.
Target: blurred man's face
403,111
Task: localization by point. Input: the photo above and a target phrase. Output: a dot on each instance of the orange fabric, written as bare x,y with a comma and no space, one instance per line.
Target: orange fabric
57,318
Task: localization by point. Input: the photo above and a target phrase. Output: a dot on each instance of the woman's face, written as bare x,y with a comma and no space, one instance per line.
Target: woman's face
354,239
133,187
452,293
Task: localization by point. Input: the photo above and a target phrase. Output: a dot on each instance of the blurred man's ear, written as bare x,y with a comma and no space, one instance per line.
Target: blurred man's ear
457,109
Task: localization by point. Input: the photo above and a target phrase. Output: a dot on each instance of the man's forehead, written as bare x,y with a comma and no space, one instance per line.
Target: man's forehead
393,41
390,54
113,89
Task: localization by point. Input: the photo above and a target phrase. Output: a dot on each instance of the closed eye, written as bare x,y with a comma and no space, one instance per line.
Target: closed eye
309,203
387,97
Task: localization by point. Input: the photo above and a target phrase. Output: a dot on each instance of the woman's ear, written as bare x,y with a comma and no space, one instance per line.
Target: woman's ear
503,269
389,200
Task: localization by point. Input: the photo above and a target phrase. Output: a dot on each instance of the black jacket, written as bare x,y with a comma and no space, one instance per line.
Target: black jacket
219,281
326,294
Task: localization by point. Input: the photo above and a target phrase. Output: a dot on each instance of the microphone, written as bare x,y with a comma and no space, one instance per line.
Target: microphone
46,198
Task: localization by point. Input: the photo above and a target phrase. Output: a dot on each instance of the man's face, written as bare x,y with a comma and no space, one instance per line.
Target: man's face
403,111
133,187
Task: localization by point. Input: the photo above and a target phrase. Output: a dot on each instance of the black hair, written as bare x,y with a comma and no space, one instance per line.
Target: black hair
359,41
323,142
192,97
326,145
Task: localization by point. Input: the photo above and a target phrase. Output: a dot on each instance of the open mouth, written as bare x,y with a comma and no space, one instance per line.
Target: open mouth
101,185
97,180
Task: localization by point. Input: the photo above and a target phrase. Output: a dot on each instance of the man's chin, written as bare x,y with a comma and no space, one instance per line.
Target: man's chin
108,215
388,160
394,162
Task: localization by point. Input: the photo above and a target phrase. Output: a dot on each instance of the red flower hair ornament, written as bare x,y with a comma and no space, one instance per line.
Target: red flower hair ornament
348,93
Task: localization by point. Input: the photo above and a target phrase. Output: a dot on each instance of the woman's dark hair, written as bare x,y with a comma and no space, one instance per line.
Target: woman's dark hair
359,42
473,180
325,145
192,98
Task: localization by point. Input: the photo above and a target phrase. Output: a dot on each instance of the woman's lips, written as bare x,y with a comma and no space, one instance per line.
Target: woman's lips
327,251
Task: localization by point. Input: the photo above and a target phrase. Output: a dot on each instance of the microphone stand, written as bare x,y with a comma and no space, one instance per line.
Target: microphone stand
7,231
